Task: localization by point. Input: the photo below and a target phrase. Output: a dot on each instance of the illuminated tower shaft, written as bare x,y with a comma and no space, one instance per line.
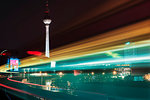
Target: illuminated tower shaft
47,42
47,21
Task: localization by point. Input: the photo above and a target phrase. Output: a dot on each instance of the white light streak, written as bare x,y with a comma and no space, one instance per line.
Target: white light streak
112,61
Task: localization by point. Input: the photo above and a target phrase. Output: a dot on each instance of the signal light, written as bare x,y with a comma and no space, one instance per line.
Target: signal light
3,54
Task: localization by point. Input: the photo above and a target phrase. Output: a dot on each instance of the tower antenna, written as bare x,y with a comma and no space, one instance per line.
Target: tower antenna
46,10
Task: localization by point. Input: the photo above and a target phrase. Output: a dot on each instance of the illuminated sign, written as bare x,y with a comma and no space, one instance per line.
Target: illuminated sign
14,64
53,64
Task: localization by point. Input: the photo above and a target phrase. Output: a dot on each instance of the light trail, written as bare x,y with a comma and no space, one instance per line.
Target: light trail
112,61
25,82
138,33
18,90
32,84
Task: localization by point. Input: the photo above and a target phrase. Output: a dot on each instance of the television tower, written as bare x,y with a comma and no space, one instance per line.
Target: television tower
47,22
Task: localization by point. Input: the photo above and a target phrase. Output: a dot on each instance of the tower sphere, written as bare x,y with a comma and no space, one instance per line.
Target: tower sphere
47,21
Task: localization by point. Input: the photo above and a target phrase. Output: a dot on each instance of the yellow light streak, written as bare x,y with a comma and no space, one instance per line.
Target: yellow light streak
138,33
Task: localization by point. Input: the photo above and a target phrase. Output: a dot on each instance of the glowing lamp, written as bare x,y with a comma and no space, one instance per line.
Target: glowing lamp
92,73
60,73
3,54
114,72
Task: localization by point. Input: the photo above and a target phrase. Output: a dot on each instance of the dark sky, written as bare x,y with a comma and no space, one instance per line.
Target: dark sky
22,28
21,20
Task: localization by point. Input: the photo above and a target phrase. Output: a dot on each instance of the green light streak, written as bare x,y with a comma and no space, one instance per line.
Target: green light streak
114,55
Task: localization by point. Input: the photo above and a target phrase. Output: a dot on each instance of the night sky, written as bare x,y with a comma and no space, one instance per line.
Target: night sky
21,20
22,28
